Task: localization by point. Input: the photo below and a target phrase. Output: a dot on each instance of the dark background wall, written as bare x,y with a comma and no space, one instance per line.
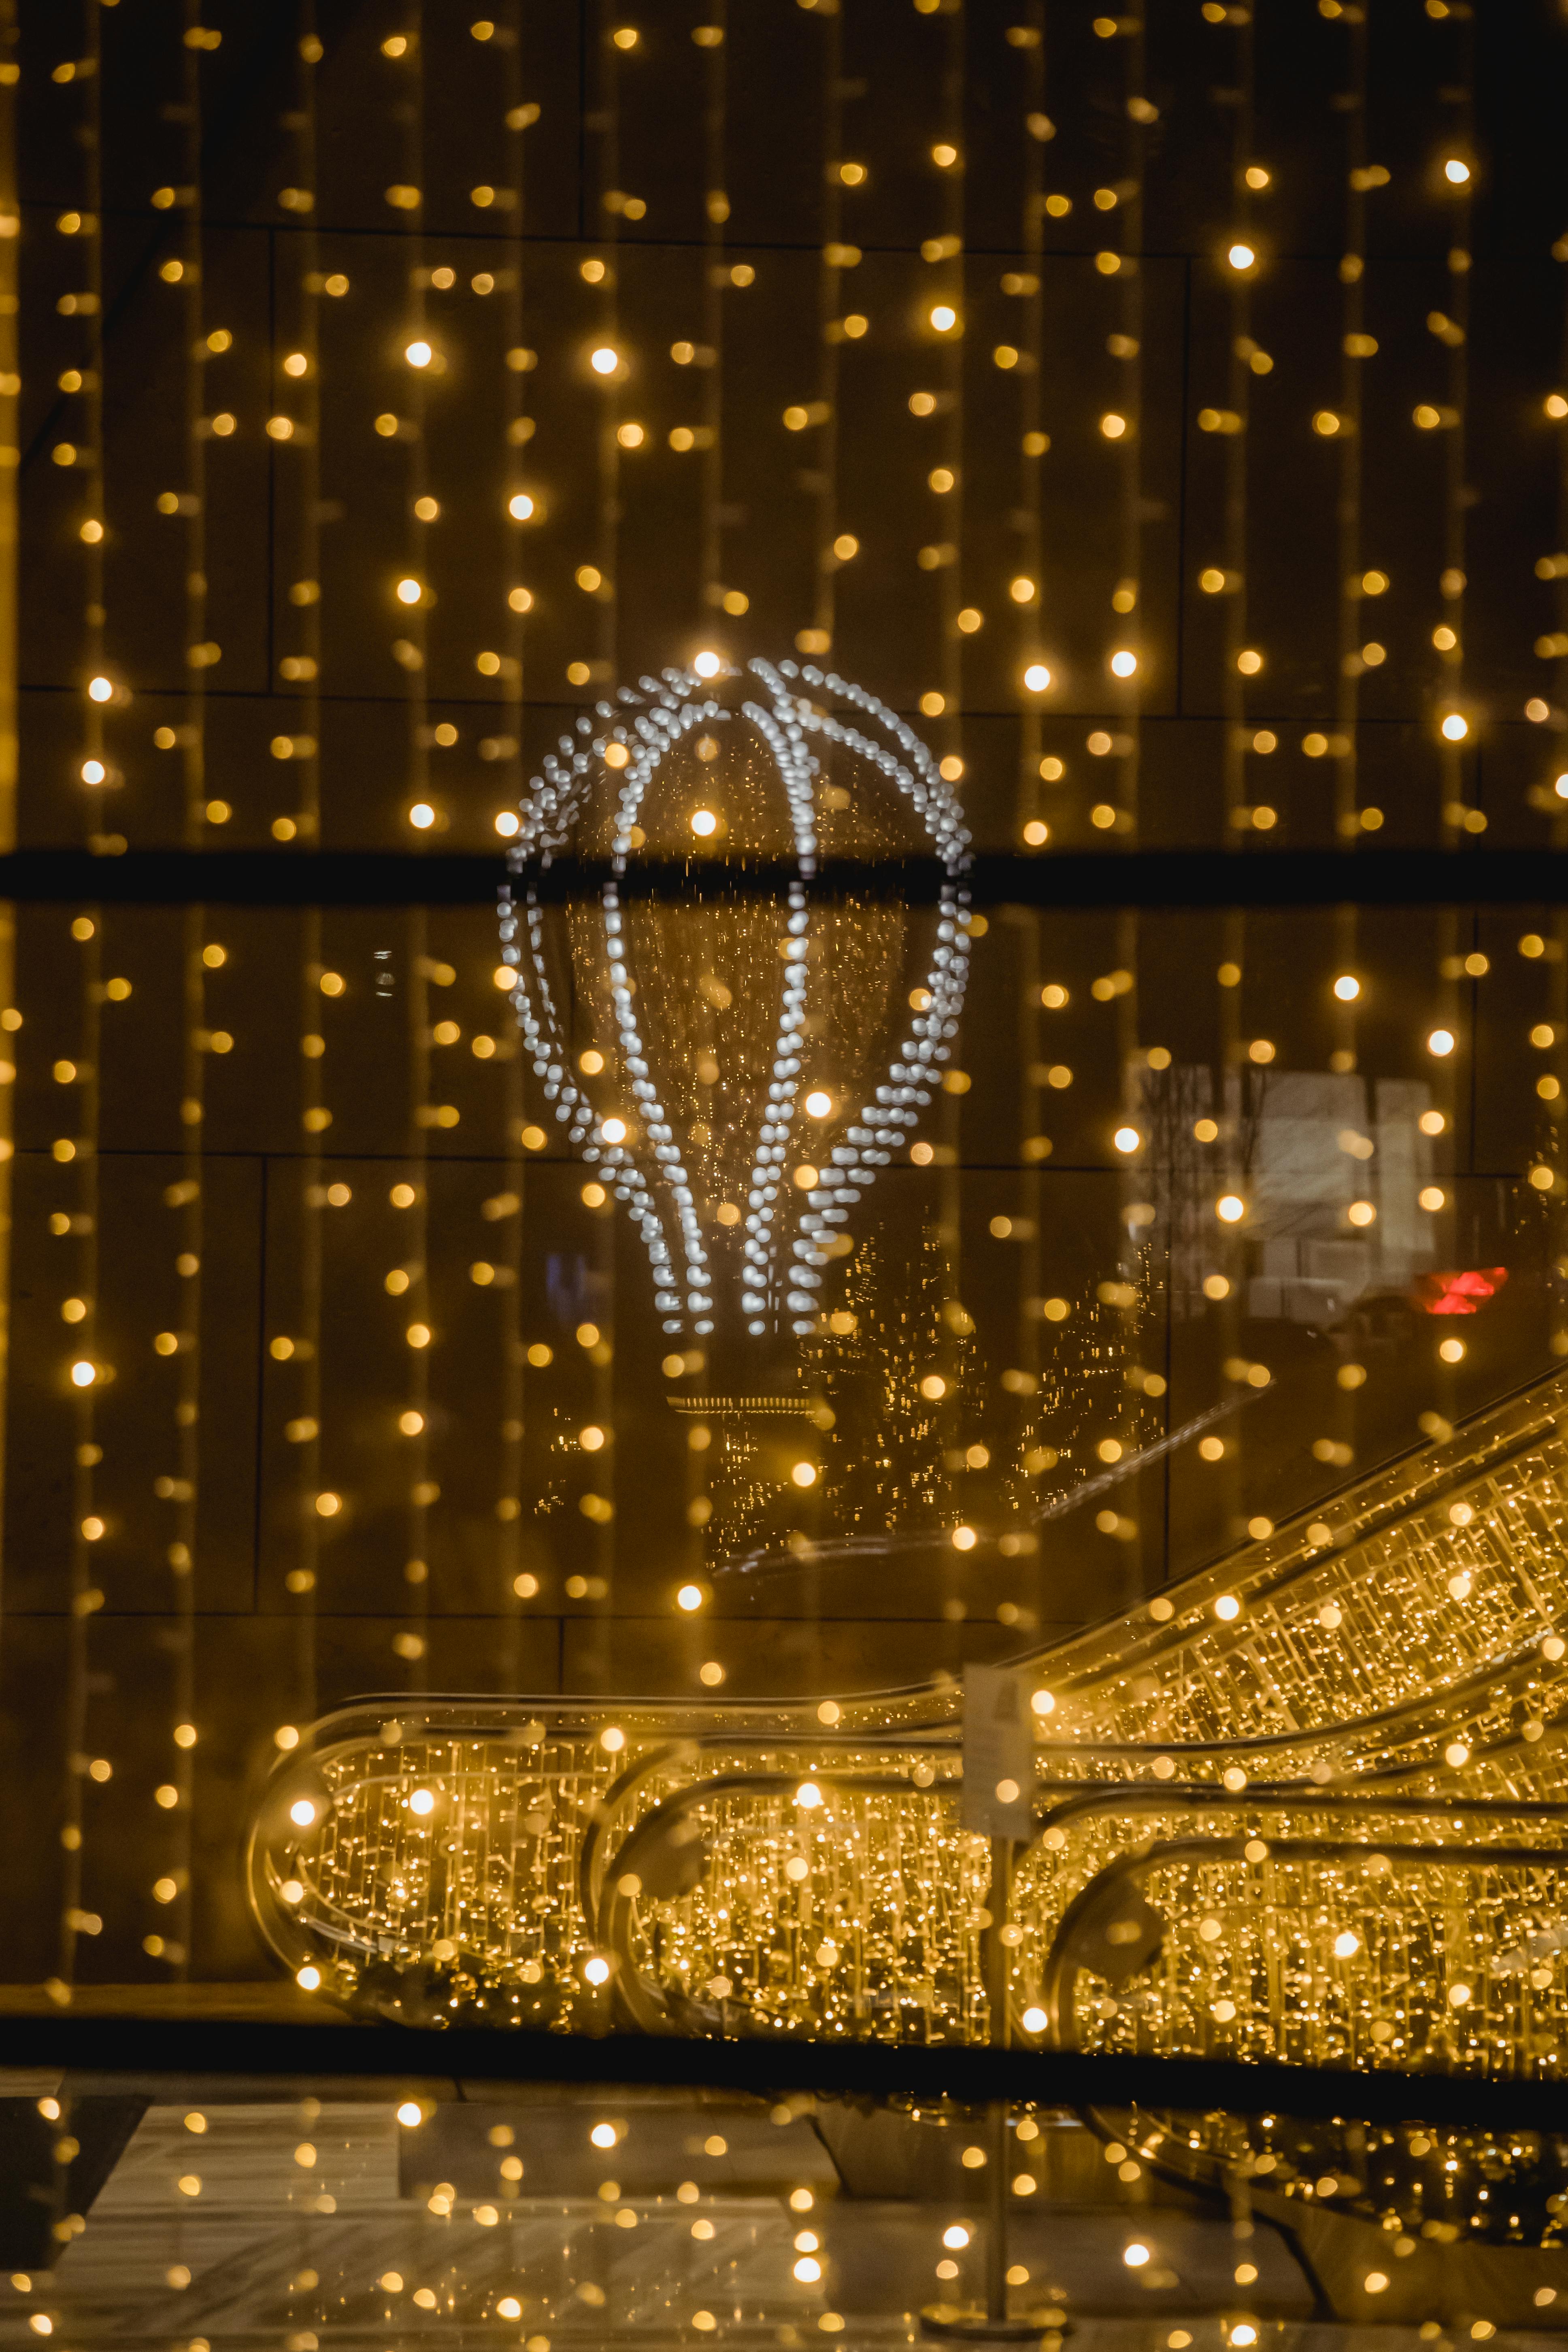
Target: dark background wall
269,689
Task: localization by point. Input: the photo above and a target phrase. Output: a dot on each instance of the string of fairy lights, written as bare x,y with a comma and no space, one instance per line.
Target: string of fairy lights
78,1151
784,1849
572,1385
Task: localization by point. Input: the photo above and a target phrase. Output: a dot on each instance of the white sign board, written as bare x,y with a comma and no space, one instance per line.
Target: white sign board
998,1754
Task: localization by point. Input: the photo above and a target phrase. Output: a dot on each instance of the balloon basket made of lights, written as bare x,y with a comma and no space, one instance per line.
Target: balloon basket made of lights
968,2324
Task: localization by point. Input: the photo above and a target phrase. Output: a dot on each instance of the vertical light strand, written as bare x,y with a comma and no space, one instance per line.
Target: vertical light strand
1347,421
817,639
512,1206
606,590
1124,428
1456,755
1027,1192
1239,656
1127,347
304,1428
713,38
957,618
512,1588
296,427
412,1196
1346,424
716,207
1555,567
1028,39
1230,1109
299,394
186,1196
79,1151
1460,816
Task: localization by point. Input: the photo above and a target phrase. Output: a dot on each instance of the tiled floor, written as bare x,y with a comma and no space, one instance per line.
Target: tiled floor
282,2224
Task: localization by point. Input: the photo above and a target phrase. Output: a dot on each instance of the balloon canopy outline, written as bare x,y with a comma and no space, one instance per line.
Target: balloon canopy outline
640,1160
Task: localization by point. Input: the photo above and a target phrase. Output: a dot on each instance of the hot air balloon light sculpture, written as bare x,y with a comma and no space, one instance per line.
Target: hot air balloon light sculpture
631,743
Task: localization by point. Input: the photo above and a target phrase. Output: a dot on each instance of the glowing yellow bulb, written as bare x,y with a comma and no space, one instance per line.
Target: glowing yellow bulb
302,1813
1127,1138
418,354
688,1597
964,1539
422,816
1135,2256
1456,727
614,1130
422,1801
1230,1208
943,317
410,2114
307,1979
1456,173
93,772
1347,988
409,592
1037,678
819,1104
83,1375
604,360
1440,1042
707,664
100,689
804,1474
1123,664
704,822
1241,256
808,1795
596,1971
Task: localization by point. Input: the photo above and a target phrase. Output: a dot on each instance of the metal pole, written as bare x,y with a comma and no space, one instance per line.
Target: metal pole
996,1988
997,2234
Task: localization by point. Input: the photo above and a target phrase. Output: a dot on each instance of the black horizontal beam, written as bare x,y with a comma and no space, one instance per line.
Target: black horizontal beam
398,2053
1148,878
